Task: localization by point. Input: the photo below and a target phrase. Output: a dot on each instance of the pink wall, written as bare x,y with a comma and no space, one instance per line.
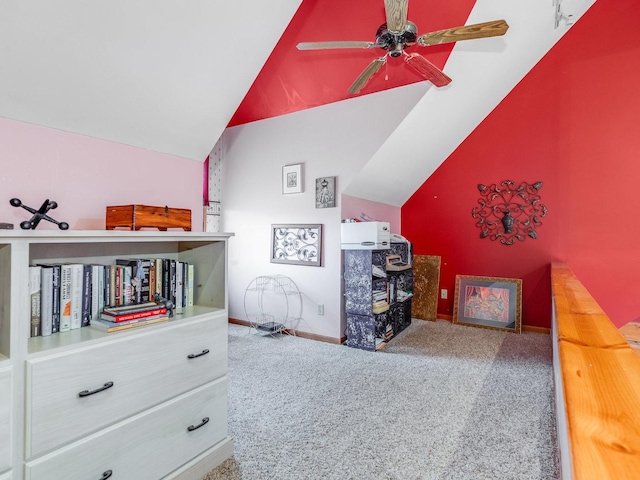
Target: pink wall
84,175
572,123
353,207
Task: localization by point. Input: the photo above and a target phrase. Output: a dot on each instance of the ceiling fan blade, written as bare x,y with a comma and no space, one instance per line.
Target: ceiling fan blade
396,12
338,44
494,28
427,69
367,74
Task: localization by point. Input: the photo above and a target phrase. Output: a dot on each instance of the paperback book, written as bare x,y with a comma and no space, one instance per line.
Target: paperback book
106,326
125,317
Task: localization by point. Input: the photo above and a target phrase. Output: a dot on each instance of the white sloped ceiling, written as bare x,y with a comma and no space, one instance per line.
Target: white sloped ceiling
165,75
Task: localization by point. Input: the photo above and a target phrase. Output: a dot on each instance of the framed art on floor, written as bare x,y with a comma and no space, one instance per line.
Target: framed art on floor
488,302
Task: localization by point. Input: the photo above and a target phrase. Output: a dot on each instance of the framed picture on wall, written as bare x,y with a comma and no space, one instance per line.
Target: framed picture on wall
488,302
292,179
325,192
299,244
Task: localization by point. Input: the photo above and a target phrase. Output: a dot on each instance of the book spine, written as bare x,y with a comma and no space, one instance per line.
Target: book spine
152,280
127,285
46,301
101,287
179,287
172,281
76,295
55,299
166,278
65,298
191,278
159,276
85,310
118,284
124,309
114,282
97,290
185,286
132,316
143,274
112,327
35,273
107,286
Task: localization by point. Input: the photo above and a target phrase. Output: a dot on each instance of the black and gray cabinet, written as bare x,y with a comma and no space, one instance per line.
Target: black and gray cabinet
378,286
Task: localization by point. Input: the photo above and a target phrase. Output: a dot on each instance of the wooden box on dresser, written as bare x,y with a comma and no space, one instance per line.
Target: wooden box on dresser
160,404
365,273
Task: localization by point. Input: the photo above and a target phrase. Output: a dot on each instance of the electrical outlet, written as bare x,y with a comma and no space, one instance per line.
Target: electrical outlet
320,309
444,294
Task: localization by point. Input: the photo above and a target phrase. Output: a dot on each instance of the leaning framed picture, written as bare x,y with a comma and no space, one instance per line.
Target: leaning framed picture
292,179
297,244
488,302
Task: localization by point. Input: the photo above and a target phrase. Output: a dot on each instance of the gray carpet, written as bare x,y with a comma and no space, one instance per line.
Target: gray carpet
440,402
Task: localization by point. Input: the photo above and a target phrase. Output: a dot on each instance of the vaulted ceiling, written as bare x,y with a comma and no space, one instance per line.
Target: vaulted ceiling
293,80
170,76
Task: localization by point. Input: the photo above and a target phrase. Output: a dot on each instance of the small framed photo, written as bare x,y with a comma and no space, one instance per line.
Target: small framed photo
299,244
326,192
488,302
292,179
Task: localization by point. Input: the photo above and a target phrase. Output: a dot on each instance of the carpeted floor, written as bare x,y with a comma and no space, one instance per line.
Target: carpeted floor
440,402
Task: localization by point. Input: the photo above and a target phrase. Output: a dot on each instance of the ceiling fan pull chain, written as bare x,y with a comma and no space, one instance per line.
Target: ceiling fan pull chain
386,71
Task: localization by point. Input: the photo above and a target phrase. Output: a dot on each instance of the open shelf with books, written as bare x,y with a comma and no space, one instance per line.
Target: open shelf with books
145,368
378,290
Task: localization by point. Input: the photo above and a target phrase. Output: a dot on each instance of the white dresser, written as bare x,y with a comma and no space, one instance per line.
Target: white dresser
145,403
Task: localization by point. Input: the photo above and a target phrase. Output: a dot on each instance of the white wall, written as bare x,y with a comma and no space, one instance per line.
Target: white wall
332,140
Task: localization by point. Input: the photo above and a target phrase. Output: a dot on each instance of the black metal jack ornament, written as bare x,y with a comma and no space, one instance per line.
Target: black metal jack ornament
38,215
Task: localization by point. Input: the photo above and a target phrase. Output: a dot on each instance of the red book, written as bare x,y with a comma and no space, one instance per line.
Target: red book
132,316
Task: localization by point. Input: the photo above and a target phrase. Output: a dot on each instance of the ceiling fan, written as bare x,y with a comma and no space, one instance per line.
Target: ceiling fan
398,33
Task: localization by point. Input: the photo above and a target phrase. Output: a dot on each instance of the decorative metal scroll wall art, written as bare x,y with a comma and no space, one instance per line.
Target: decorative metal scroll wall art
296,244
509,213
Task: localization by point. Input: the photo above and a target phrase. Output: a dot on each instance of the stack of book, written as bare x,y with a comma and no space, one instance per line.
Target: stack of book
114,319
388,334
380,303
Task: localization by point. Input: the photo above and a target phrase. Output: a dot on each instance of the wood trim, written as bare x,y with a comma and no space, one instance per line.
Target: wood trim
599,376
526,328
310,336
532,329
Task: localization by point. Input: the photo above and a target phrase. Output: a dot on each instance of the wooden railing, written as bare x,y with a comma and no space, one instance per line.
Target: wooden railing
597,379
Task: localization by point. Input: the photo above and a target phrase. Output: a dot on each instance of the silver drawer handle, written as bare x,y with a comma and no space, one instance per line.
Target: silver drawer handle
86,393
196,355
191,428
106,475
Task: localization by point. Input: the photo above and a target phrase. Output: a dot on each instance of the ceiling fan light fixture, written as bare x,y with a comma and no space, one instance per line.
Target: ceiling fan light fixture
398,32
396,51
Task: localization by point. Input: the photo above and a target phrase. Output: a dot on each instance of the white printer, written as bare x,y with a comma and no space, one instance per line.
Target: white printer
365,236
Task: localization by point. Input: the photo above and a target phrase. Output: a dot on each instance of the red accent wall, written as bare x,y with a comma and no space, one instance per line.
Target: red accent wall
573,123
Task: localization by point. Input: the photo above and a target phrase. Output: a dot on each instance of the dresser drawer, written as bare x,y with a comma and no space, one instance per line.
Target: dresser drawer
6,436
144,369
147,446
